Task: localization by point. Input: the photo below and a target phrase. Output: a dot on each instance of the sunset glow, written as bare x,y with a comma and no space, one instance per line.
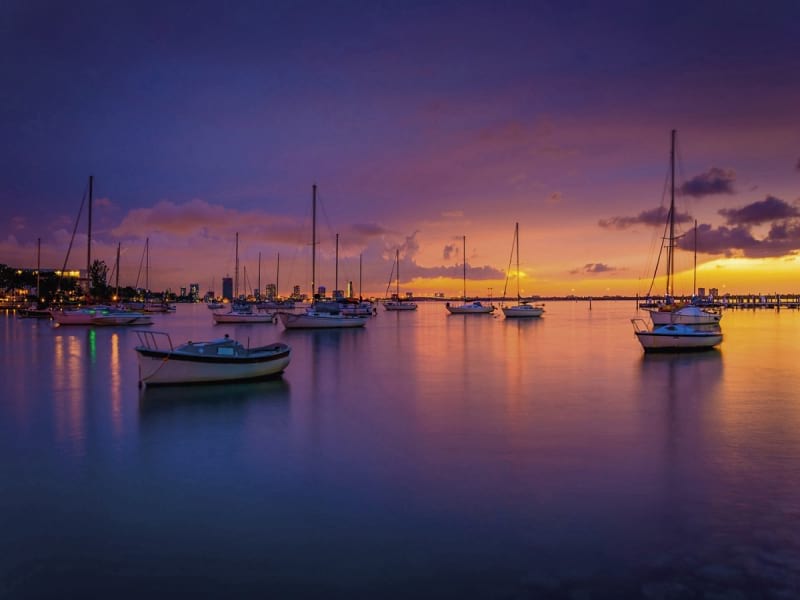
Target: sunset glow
420,124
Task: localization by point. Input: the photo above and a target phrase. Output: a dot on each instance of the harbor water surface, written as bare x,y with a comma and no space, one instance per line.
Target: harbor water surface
425,456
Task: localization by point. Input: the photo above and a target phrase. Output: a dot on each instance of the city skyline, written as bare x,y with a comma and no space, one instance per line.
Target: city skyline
421,123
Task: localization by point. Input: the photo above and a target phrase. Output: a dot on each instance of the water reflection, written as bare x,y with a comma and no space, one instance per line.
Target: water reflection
213,399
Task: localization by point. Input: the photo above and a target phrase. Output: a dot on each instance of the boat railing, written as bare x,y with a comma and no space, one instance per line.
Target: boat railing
149,339
639,325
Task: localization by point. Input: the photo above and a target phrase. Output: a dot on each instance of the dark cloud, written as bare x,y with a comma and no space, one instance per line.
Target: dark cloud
782,239
655,216
594,268
450,251
413,271
763,211
713,181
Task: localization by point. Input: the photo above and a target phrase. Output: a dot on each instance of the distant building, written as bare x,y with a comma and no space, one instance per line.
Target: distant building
438,294
349,289
183,292
296,295
321,291
713,292
272,291
701,292
227,288
194,291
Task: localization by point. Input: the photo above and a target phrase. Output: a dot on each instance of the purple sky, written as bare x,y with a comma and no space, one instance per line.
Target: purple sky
420,122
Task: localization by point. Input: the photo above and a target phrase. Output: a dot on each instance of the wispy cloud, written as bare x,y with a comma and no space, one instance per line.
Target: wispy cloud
451,251
714,181
763,211
655,216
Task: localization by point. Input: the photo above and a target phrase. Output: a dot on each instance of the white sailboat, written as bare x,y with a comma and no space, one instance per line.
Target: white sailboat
321,315
676,327
670,311
240,311
476,307
396,303
523,309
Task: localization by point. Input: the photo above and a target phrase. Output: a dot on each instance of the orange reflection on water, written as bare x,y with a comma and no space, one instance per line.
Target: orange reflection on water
68,388
114,381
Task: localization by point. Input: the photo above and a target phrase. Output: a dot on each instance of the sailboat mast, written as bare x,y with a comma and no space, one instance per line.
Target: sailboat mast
89,235
147,267
119,245
360,264
259,274
397,260
236,273
313,241
38,267
671,247
278,277
464,252
516,240
336,277
694,279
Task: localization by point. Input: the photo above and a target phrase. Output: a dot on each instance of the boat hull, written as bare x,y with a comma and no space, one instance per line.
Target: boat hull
470,309
676,336
122,319
253,318
169,368
398,306
320,321
685,316
523,311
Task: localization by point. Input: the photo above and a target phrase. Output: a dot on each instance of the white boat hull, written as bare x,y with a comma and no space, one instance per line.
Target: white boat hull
318,320
472,308
244,318
400,306
523,311
675,337
161,371
122,319
690,315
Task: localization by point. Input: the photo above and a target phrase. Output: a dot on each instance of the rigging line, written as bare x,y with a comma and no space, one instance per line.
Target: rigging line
72,239
141,262
651,250
388,285
508,270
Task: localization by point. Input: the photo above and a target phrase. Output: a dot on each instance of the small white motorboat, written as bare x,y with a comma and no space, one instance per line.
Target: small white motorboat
676,336
470,308
219,360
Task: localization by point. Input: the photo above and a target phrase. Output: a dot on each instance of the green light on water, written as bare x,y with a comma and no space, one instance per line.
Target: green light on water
92,345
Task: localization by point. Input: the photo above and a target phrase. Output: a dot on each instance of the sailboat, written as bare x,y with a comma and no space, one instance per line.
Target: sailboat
671,311
396,303
677,327
523,309
36,311
321,315
468,308
241,312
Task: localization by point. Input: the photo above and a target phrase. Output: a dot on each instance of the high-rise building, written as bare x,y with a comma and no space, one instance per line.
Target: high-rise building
194,292
349,289
183,291
272,291
227,288
296,295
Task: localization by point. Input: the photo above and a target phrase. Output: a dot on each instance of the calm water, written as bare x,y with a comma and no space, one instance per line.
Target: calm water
427,456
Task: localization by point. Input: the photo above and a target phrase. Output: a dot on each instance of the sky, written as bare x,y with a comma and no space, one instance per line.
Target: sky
420,123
